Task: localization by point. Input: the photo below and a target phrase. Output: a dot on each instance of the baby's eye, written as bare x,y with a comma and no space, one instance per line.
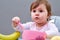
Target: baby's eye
40,10
34,10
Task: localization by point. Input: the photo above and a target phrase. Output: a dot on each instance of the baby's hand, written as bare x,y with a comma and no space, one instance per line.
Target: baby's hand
15,21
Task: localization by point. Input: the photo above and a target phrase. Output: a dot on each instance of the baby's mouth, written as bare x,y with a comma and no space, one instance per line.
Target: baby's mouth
36,17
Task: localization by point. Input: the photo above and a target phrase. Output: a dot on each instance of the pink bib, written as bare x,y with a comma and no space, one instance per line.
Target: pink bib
33,35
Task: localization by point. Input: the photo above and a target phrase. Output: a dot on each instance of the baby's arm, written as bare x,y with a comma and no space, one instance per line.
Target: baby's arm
17,24
53,31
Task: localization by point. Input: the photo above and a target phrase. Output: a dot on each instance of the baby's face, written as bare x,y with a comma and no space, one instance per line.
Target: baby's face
39,14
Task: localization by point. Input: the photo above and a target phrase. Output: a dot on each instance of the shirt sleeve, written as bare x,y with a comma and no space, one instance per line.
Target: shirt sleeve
53,30
22,27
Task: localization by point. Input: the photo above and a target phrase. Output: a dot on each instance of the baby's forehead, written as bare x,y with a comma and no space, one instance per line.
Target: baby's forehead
41,6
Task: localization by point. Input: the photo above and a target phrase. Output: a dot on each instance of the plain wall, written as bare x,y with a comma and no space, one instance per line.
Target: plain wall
21,8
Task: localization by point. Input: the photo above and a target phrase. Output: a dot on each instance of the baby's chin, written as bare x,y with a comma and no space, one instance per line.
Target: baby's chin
37,21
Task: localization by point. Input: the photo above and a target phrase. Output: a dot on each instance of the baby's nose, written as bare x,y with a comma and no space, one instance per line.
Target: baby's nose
37,14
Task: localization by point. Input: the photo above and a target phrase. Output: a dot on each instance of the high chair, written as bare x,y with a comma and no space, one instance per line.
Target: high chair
56,21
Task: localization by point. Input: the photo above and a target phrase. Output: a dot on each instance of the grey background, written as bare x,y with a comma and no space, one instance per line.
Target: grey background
11,8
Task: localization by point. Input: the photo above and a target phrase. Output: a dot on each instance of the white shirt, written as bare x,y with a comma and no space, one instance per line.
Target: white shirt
49,28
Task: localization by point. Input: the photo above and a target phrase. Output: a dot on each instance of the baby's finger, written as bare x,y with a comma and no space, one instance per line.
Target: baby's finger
16,19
